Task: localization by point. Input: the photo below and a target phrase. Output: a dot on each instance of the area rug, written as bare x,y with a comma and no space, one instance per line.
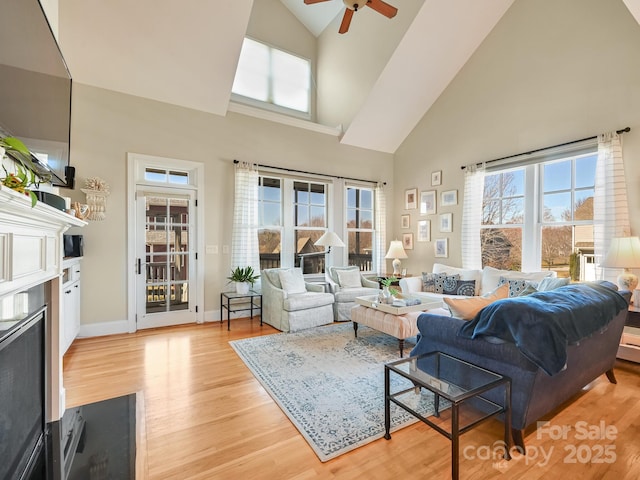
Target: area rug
331,385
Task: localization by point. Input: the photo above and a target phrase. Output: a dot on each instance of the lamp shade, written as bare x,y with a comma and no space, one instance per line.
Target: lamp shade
623,253
329,239
396,250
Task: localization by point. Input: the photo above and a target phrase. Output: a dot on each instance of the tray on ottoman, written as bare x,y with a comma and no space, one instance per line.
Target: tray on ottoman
371,301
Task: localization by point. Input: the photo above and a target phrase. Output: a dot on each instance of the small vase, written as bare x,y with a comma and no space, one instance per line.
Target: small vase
242,288
388,298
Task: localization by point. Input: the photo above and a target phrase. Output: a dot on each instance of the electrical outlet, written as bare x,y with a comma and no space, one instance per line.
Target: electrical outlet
225,249
212,249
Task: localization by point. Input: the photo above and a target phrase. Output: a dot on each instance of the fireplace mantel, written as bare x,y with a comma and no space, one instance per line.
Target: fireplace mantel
31,254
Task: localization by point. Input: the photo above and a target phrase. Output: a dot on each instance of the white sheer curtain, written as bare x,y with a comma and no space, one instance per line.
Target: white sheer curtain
610,208
472,216
244,244
379,262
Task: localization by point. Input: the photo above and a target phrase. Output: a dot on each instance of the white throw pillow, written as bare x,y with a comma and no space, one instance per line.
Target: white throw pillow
468,308
349,278
292,280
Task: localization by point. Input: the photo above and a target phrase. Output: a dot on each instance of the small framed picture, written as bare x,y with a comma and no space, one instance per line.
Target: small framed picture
424,231
428,202
449,198
407,241
405,221
436,178
441,247
403,272
446,220
410,199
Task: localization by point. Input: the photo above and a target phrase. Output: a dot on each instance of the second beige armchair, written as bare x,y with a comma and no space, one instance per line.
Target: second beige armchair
346,284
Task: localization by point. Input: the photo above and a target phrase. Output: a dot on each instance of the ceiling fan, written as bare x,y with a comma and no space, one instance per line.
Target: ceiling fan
379,6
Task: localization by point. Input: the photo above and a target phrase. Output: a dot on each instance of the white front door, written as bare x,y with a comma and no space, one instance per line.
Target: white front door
165,257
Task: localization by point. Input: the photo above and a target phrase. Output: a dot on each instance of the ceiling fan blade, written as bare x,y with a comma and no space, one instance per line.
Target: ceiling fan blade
311,2
346,20
383,8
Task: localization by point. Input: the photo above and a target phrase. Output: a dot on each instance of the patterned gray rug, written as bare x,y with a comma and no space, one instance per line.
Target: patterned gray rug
330,384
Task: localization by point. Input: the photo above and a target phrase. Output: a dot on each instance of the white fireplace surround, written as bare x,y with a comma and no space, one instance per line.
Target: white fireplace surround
31,254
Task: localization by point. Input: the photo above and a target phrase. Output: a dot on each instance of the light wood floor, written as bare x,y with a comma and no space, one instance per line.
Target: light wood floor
207,417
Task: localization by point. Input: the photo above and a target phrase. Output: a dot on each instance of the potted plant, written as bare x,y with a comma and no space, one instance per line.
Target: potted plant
243,278
25,175
388,292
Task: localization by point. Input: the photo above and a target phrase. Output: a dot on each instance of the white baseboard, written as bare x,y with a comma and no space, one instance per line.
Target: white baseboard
104,328
122,326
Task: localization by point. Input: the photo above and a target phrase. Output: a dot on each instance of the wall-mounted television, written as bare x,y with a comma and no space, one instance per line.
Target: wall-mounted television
35,87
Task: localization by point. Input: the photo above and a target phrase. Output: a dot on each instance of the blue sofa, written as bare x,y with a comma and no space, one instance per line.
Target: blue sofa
588,318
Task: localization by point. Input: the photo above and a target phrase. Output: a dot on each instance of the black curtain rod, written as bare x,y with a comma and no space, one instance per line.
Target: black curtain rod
312,173
624,130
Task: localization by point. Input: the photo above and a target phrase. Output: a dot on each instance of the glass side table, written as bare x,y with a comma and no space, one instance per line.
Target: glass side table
240,302
462,385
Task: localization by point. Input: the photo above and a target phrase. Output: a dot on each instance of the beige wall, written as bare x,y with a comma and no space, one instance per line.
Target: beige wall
106,125
548,73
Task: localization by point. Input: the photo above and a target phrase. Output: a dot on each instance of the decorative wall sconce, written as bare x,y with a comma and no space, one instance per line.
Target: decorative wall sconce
97,191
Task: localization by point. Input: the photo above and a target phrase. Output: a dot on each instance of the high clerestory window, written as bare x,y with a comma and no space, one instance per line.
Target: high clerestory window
271,78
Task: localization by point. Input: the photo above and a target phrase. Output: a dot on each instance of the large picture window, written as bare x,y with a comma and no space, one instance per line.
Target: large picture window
541,217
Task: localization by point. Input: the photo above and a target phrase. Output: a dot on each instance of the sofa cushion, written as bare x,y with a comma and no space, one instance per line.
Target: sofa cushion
292,281
304,301
549,283
467,308
349,278
446,283
491,277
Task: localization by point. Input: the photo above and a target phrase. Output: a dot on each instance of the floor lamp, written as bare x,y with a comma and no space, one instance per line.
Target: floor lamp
329,239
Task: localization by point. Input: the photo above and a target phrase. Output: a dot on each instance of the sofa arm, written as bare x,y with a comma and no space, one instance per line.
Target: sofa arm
440,333
370,283
411,284
314,287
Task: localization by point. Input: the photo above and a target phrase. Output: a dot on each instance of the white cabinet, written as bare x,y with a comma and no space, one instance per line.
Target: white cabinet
71,287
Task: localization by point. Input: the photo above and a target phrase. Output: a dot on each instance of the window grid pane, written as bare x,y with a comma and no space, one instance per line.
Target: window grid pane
273,76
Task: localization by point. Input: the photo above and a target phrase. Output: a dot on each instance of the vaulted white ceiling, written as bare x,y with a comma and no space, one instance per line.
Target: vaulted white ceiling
187,56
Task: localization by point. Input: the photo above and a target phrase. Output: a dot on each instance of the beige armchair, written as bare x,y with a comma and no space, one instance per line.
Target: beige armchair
346,284
290,304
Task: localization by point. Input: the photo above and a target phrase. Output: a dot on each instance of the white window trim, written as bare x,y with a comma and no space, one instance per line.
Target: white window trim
136,165
532,224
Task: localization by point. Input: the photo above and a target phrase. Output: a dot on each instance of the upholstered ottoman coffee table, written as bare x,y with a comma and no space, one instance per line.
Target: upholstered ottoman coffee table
399,322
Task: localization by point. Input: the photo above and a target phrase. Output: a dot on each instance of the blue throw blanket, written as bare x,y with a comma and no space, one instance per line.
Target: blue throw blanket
541,325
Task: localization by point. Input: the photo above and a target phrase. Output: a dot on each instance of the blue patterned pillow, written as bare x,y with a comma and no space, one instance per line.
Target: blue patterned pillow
516,285
452,285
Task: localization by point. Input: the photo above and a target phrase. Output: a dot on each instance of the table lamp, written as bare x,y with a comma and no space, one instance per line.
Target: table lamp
329,239
624,253
396,251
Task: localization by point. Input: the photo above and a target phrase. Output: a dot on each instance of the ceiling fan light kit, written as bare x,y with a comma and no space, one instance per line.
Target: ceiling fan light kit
379,6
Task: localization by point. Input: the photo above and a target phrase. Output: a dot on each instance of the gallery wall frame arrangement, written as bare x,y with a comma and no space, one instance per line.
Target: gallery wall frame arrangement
405,221
424,231
441,247
436,178
446,222
407,241
449,198
428,202
411,199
